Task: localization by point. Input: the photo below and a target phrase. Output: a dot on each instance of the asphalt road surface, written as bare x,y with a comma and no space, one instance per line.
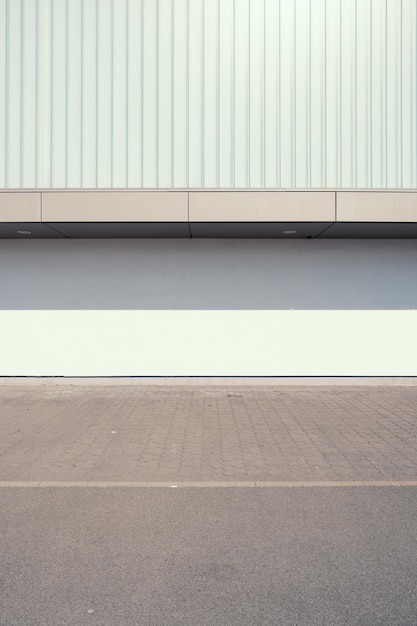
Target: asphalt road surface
199,556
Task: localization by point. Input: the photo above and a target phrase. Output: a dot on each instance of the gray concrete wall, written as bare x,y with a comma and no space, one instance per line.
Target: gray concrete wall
208,307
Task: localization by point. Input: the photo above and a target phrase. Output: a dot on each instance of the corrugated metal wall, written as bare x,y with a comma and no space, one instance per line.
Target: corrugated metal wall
208,93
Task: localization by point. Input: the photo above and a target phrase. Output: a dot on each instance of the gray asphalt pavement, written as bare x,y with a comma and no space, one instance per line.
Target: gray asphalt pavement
203,556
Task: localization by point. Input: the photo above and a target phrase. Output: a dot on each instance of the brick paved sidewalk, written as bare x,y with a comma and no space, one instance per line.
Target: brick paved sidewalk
173,433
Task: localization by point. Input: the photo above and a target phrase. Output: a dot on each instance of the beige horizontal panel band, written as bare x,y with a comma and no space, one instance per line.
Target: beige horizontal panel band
208,206
102,206
376,206
262,206
20,207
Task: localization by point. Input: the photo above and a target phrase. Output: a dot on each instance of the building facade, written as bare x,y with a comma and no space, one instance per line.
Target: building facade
208,188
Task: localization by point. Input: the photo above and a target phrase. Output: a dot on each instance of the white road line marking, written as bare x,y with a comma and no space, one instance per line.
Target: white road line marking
205,484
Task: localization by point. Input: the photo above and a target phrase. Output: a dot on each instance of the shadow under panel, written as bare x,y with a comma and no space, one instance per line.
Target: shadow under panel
254,230
371,230
116,230
27,230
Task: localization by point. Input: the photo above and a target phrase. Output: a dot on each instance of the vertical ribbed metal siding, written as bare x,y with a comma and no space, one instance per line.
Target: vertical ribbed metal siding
208,93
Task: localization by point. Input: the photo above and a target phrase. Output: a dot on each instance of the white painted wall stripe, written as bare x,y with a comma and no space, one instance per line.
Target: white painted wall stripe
188,343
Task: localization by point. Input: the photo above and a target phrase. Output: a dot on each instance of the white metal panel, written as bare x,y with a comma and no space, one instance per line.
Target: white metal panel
206,93
28,94
89,95
179,83
14,93
3,91
75,61
104,154
59,135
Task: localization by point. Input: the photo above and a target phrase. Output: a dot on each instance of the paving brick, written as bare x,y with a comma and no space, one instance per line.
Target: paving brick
145,433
